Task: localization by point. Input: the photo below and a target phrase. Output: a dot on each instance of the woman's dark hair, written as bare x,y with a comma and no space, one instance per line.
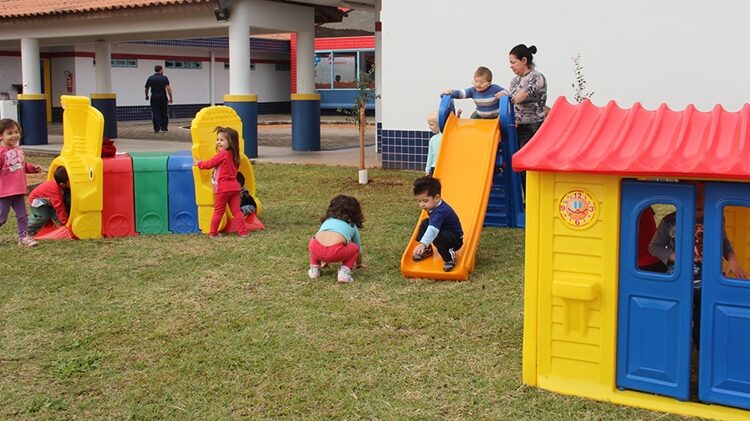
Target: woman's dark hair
234,142
345,208
522,51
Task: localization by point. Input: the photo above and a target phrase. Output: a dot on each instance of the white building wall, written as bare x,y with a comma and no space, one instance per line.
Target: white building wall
673,51
190,86
85,76
10,74
269,84
58,67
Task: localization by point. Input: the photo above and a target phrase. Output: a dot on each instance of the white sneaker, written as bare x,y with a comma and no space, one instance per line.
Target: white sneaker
345,275
313,272
27,242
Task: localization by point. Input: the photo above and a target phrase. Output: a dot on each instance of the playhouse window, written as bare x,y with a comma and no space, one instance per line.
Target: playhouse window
737,227
648,222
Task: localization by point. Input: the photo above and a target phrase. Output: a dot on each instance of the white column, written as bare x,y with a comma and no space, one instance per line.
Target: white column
103,57
378,61
211,77
239,48
30,68
306,61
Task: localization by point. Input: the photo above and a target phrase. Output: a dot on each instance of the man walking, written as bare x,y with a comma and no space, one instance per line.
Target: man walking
161,97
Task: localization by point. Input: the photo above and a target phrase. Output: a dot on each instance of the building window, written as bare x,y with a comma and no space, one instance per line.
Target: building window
323,63
183,64
226,66
345,70
123,62
341,69
282,67
127,62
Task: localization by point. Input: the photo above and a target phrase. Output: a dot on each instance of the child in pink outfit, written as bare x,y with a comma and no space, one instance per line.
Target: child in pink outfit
226,188
13,169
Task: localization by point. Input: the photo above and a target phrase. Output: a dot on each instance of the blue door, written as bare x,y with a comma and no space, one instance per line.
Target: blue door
724,376
655,309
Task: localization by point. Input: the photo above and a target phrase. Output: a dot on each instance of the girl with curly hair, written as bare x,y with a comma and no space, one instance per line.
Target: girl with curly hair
338,238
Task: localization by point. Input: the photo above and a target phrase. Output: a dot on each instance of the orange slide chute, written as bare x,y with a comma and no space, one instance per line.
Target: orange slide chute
465,166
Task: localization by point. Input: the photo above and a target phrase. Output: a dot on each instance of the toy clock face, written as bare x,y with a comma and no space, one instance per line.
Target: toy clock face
577,208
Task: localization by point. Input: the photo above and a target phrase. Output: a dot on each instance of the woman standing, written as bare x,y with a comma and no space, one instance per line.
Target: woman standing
528,90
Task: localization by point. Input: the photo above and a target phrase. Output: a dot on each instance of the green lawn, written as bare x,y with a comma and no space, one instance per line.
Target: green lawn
185,327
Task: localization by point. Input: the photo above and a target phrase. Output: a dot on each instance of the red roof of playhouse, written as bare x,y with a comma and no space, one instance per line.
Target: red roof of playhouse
584,138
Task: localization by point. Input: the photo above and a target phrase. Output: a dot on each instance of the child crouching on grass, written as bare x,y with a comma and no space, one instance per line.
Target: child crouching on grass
247,203
338,238
48,201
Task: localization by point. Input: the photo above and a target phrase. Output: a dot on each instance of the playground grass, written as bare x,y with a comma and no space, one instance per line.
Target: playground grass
185,327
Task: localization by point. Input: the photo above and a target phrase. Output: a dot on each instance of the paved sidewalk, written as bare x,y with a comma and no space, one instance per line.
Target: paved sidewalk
339,141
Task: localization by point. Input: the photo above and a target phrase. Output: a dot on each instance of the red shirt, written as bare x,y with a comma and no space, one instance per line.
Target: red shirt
225,175
51,191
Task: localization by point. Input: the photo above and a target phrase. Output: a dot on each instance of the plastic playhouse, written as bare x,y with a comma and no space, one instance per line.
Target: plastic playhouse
140,193
473,168
596,323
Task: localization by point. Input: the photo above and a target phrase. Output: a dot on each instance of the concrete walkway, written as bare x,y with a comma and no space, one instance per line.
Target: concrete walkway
339,141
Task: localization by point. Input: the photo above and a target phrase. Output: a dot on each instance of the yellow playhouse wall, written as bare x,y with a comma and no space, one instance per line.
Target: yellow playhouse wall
570,295
573,271
83,128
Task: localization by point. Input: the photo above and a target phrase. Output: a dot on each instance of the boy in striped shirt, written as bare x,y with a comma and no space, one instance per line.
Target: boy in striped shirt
486,94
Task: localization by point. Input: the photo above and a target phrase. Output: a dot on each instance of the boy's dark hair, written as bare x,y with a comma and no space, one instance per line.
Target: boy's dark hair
483,72
429,185
61,175
158,68
241,179
345,208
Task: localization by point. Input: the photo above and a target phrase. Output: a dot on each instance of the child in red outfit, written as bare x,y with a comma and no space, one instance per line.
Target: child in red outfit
13,169
226,188
47,201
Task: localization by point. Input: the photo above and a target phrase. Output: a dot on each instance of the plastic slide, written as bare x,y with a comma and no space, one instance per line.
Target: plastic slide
465,167
204,147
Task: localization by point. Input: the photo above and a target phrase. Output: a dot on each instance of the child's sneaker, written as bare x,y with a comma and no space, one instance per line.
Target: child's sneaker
313,272
27,242
425,254
450,264
345,275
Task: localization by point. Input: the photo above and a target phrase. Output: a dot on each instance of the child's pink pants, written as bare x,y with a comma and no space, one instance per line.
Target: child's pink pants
345,253
220,204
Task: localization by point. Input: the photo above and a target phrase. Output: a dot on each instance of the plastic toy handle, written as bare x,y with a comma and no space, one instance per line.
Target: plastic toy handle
446,108
507,115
